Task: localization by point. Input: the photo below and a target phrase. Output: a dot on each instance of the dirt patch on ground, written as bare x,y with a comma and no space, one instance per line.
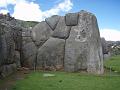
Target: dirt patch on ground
7,83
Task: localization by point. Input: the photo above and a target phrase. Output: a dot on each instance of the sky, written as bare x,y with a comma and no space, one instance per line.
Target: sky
106,11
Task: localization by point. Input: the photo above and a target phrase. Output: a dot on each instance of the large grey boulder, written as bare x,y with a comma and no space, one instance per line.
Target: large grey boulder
3,50
104,46
6,70
41,33
83,50
61,31
1,53
17,36
76,52
71,19
10,45
52,21
29,49
95,61
28,54
17,59
10,40
51,53
26,36
7,46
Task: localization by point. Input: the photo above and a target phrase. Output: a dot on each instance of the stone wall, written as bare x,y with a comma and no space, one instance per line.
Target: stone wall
10,47
71,43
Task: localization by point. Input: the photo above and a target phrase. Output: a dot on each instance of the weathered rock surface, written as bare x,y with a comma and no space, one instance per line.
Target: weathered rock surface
17,36
104,46
26,36
52,21
61,31
8,46
95,56
7,69
41,33
71,19
29,54
75,52
51,53
17,59
10,37
71,42
83,47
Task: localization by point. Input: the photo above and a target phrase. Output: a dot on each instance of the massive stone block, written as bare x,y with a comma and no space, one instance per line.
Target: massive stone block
70,41
51,53
7,46
104,46
41,33
17,36
71,19
26,36
52,21
6,70
17,59
3,50
61,31
7,49
28,55
83,49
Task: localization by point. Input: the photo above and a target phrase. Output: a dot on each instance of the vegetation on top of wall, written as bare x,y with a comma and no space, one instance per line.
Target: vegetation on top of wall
27,24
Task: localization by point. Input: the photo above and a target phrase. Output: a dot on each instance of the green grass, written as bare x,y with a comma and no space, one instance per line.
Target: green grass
113,63
68,81
73,81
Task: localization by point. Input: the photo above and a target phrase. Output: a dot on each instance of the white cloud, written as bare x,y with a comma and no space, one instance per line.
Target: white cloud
64,7
30,11
110,34
4,11
4,3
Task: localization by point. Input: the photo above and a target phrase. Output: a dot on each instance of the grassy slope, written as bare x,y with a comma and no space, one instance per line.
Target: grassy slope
27,24
113,63
68,81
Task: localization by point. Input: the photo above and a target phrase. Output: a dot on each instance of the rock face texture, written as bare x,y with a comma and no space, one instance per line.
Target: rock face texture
28,49
41,33
83,47
61,31
10,47
52,21
74,44
71,42
71,19
51,53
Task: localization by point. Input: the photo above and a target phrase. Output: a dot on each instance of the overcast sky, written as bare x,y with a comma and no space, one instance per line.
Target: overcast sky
106,11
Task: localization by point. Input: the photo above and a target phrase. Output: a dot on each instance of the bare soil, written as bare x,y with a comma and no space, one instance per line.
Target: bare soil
7,83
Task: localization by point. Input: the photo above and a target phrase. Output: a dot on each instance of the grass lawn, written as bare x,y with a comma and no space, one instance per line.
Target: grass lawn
113,63
73,81
67,81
